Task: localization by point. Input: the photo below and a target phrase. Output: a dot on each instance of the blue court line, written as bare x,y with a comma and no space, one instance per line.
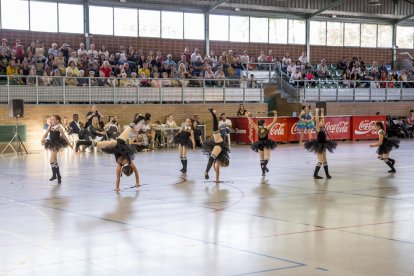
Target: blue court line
378,237
268,270
320,268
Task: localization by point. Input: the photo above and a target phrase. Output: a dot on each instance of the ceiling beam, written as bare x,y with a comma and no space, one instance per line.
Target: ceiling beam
400,20
216,5
330,6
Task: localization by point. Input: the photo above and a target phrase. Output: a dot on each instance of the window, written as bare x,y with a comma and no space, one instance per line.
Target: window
278,31
317,30
335,34
101,20
149,23
219,27
384,36
12,8
239,28
43,17
368,35
172,25
297,31
193,26
71,18
352,34
126,22
405,37
259,29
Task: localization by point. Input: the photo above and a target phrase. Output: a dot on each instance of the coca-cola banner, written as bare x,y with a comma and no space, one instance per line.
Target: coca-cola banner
363,127
286,129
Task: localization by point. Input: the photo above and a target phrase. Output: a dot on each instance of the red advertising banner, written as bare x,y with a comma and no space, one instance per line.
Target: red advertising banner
286,130
363,127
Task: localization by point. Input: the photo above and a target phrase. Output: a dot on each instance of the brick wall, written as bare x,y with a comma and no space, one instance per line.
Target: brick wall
34,116
176,46
388,108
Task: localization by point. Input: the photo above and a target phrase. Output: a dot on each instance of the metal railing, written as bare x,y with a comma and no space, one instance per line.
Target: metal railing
331,90
265,72
67,90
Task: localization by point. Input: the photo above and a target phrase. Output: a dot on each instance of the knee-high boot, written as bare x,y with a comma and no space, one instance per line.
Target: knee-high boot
325,167
209,165
82,142
59,177
391,165
317,168
52,165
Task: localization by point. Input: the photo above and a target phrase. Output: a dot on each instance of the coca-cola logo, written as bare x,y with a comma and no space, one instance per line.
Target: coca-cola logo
251,133
278,129
340,127
365,127
295,130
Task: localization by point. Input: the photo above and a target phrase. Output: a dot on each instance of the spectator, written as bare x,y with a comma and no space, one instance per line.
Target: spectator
262,57
31,80
187,55
144,70
155,82
252,83
75,126
20,53
252,66
92,79
39,53
57,80
410,119
46,80
91,114
270,58
303,59
197,66
65,50
212,57
169,60
31,49
322,69
134,81
245,58
11,68
104,51
220,76
225,126
209,76
183,61
124,82
343,64
296,77
95,130
70,80
242,111
165,82
74,58
102,80
105,68
112,80
291,68
82,51
72,68
82,81
286,61
195,55
53,50
92,52
5,47
112,128
127,69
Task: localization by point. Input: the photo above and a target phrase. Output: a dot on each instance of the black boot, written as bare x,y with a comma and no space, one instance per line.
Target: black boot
182,163
82,142
265,165
262,167
184,166
315,174
209,165
59,177
392,161
53,171
391,165
325,167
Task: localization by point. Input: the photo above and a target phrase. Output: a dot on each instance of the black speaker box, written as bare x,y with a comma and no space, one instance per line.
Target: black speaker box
16,108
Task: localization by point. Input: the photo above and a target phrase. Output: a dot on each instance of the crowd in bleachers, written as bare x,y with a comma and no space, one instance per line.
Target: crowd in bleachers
128,67
355,73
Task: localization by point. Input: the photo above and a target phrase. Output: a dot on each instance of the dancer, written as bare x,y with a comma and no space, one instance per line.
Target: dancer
185,139
305,123
217,149
57,141
264,145
320,145
124,154
385,146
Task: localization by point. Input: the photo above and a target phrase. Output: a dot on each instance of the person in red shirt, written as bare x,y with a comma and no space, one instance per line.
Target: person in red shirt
105,68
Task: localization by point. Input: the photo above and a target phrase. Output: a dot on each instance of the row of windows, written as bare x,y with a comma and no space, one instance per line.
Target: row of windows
68,18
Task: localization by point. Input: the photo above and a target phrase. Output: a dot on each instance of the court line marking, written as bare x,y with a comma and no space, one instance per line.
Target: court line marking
377,237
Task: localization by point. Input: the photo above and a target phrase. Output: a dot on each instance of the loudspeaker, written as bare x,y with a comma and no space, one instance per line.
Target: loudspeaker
16,108
322,105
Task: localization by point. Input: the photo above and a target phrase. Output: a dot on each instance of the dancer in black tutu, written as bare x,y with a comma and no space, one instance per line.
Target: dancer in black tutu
185,139
264,145
124,154
217,149
385,146
57,141
321,145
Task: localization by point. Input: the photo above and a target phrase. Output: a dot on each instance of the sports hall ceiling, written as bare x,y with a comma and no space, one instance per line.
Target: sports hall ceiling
388,11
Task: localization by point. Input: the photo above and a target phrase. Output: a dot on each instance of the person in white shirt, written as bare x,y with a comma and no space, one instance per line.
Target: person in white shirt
296,77
262,58
245,58
224,126
322,69
81,50
195,55
93,51
303,58
286,61
291,68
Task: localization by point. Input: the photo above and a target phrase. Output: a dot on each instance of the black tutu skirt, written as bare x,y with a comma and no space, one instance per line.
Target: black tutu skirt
56,145
388,144
121,149
182,138
223,157
263,144
320,147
